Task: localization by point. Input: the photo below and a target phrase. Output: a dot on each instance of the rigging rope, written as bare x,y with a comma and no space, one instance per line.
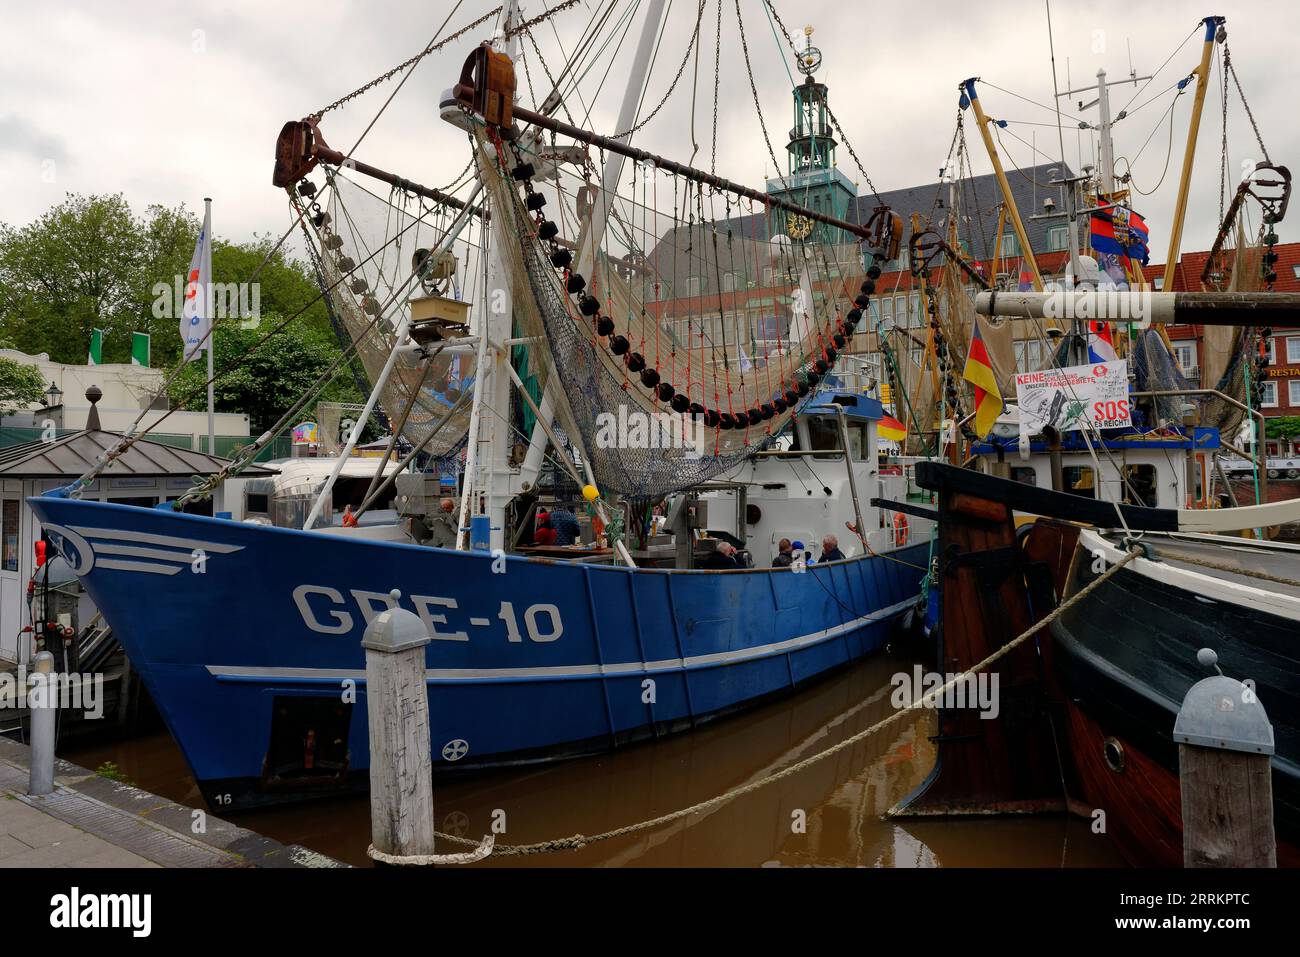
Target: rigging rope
433,47
749,71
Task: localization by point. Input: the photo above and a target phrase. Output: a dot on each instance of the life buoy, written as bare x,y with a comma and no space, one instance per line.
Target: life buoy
901,530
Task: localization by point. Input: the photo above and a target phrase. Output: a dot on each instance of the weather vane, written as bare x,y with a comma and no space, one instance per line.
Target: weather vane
811,58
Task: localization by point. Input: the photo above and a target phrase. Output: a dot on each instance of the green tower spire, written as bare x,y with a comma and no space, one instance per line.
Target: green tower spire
812,178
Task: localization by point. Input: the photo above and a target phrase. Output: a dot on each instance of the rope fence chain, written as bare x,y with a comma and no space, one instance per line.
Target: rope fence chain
577,841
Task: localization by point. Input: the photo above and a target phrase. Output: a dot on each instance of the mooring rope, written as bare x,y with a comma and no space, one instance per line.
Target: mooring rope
1247,572
577,841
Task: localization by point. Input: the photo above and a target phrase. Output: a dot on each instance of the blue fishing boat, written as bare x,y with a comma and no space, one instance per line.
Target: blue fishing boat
248,638
664,512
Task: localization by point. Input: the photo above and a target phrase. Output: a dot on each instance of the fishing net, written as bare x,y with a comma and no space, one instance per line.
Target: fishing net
380,237
727,318
1224,362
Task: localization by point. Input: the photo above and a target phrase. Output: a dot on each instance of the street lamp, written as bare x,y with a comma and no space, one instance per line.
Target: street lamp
53,396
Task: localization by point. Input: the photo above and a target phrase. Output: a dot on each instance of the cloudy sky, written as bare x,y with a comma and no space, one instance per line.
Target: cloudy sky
169,102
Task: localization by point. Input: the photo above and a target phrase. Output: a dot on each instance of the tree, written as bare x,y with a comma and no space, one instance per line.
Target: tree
20,386
1285,427
266,382
88,263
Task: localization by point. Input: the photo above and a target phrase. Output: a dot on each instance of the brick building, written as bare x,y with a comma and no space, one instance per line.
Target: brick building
1281,389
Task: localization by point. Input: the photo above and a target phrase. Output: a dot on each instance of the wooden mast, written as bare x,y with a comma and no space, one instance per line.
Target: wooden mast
1202,74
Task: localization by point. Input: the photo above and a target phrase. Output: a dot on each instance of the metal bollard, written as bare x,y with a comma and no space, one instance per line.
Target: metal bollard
1225,773
397,703
43,705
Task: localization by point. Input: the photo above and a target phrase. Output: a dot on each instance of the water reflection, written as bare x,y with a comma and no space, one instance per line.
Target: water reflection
830,814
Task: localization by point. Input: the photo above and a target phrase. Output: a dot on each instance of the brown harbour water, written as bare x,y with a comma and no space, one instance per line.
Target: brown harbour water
843,799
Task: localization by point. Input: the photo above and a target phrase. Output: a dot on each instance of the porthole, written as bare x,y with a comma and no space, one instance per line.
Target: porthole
1113,752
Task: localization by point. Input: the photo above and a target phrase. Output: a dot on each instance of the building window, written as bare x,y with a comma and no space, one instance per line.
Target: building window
1268,398
1058,238
1271,350
9,527
693,286
1295,271
1185,352
1010,244
1293,348
1293,392
1160,283
1029,355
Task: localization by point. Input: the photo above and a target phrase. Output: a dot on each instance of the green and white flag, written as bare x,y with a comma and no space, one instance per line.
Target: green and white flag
96,347
140,349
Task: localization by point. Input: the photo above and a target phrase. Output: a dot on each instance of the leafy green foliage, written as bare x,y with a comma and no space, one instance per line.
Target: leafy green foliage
1282,427
88,263
20,386
91,263
267,381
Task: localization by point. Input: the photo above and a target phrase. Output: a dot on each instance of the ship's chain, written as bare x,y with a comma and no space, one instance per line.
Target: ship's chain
589,306
578,841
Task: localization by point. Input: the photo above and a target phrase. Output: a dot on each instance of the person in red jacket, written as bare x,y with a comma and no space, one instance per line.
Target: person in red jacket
544,535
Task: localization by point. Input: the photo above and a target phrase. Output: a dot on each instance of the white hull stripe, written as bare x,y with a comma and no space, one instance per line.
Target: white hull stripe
237,673
150,567
1198,582
136,551
147,538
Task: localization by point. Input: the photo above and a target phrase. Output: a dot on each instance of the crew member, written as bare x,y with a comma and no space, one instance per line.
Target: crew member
831,550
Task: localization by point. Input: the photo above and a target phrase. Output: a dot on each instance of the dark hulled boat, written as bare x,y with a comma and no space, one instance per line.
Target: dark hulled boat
1102,686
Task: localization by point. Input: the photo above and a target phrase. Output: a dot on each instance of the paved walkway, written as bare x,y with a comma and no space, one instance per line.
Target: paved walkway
91,821
31,838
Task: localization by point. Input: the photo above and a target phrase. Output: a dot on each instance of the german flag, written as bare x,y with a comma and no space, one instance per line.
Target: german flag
890,429
979,373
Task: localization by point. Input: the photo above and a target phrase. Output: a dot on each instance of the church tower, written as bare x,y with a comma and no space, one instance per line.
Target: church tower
812,180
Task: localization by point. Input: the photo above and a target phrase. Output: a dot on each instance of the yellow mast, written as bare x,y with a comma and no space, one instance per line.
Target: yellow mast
1202,74
997,243
1025,249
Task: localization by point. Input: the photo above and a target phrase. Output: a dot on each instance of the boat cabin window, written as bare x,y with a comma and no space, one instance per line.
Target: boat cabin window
1080,480
255,502
857,440
823,435
1140,485
1025,474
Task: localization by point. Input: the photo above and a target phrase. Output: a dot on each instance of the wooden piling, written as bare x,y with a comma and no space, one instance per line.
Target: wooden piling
1227,808
1225,774
401,769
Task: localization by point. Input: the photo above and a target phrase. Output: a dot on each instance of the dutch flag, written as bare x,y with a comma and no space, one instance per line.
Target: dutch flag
1101,348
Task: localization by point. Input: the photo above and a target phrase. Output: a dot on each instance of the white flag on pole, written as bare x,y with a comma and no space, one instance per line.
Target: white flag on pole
196,316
